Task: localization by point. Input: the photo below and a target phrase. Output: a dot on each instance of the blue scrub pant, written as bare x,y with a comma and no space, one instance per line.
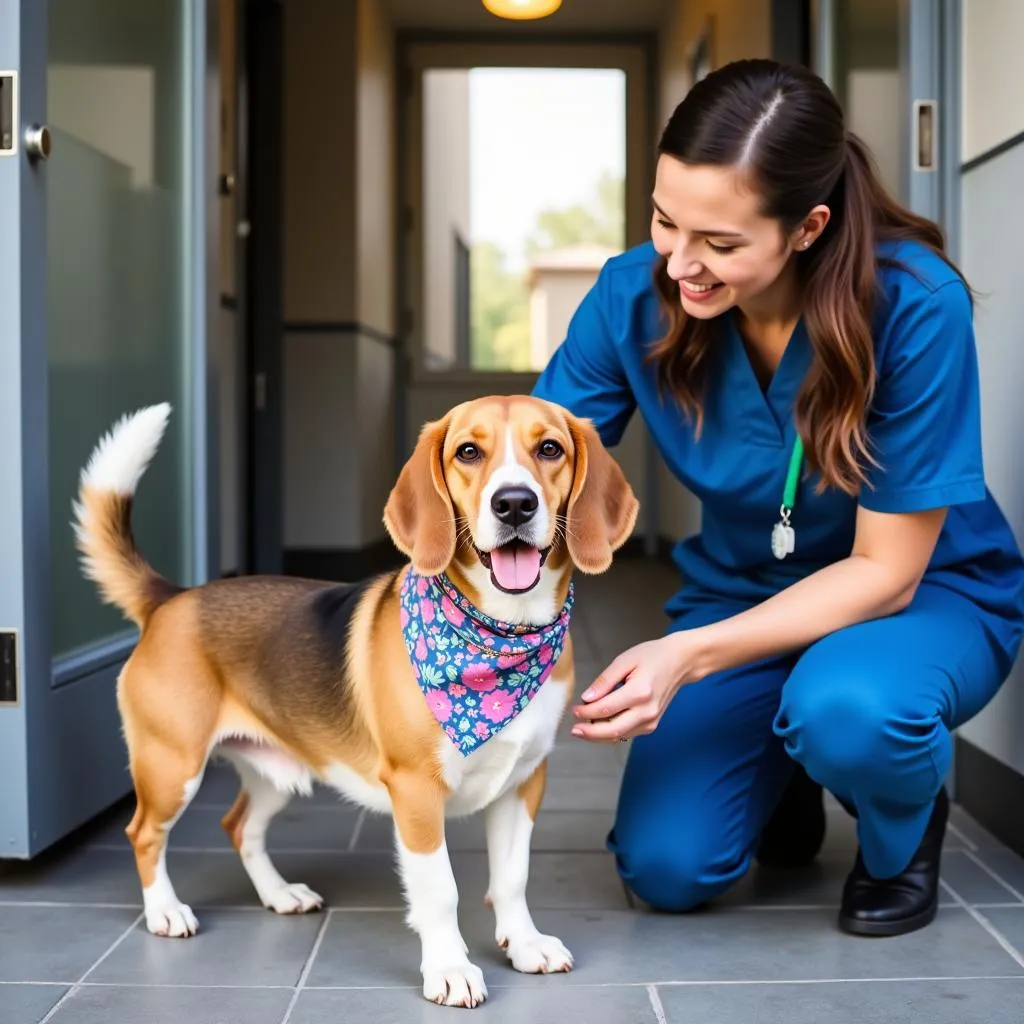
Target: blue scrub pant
867,711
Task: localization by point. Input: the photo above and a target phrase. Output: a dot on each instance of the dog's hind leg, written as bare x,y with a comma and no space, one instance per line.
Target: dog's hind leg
246,824
165,784
509,824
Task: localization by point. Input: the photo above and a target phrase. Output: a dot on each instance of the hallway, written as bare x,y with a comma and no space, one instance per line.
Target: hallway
74,951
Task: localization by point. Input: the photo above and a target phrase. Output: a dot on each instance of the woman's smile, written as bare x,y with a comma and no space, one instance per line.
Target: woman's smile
699,291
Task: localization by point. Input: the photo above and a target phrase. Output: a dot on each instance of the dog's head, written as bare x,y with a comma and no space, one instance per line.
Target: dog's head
510,489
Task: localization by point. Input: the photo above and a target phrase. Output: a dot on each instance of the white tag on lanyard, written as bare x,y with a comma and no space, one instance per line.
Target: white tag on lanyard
783,534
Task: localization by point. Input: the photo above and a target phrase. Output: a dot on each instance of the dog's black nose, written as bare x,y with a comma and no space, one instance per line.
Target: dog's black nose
514,505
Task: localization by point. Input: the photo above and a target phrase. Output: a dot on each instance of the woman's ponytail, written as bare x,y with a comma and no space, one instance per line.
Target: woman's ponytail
840,283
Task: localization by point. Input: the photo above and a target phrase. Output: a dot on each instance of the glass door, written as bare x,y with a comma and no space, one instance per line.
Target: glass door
102,311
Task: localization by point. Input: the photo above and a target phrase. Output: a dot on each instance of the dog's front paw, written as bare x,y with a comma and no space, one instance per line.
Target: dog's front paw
293,899
173,920
537,954
458,985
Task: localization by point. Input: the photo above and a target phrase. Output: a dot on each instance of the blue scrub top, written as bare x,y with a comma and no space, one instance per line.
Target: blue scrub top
924,426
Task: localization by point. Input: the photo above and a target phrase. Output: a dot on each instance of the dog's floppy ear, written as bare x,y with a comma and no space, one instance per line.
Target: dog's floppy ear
419,515
602,506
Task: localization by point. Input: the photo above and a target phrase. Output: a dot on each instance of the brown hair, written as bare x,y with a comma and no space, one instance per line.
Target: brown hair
784,125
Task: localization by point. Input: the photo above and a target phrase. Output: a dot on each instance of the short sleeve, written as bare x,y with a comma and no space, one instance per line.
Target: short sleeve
924,428
585,373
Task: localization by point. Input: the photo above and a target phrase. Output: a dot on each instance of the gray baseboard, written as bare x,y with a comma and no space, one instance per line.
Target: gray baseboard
992,793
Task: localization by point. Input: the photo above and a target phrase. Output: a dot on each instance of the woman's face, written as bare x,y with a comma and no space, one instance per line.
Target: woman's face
721,250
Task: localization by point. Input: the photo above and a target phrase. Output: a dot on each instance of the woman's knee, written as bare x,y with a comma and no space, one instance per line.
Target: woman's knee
841,724
675,878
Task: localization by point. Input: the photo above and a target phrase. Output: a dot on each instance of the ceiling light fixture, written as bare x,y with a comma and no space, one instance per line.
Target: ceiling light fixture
522,10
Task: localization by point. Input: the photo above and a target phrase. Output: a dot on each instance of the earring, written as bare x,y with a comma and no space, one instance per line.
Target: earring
807,242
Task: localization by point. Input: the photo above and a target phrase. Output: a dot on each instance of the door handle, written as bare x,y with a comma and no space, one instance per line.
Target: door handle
925,135
38,142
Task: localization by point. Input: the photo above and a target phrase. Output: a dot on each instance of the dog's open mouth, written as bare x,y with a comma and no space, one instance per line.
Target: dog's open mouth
515,566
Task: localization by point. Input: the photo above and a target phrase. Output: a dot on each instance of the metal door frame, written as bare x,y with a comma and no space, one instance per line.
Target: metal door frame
62,759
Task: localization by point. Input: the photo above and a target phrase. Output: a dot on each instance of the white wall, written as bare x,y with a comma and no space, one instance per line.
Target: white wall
741,28
375,168
555,295
339,274
446,206
992,228
375,264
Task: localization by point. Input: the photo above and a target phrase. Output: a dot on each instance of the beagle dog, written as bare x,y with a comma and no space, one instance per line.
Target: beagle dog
425,693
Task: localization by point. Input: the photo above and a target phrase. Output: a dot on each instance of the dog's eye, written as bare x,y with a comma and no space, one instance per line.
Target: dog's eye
550,450
467,452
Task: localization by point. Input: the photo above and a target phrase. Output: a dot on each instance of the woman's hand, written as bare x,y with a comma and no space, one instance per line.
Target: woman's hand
629,697
880,577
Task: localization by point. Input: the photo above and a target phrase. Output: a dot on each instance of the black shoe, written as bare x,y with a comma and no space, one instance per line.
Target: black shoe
794,833
896,906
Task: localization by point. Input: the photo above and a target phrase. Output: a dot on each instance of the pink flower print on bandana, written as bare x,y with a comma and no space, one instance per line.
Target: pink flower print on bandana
476,673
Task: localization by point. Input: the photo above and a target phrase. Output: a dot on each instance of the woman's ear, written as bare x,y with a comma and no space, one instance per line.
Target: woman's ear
602,506
811,228
419,514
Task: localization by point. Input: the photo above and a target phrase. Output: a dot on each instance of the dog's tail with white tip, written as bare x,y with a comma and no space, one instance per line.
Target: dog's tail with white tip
103,522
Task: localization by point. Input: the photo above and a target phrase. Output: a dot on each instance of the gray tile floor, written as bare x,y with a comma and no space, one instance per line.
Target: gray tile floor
72,949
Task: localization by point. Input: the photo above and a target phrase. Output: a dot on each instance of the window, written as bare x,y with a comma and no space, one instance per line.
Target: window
525,169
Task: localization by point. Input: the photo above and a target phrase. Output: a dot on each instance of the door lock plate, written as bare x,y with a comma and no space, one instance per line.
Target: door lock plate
8,113
8,667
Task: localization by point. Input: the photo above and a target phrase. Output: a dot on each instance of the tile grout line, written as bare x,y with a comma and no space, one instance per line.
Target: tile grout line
546,809
307,967
357,830
76,987
247,908
994,875
656,1005
327,851
713,983
63,905
985,923
808,982
963,837
383,908
396,908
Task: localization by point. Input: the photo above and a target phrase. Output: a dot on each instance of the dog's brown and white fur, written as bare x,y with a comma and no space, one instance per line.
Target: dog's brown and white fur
248,669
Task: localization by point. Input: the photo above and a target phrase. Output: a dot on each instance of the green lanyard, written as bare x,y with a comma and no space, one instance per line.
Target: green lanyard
783,535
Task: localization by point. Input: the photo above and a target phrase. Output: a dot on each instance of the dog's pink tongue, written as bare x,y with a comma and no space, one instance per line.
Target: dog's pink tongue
515,567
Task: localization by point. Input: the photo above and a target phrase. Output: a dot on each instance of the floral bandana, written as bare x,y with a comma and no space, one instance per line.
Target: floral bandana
475,672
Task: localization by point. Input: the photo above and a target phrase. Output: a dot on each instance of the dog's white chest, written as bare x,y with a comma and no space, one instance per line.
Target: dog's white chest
508,758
